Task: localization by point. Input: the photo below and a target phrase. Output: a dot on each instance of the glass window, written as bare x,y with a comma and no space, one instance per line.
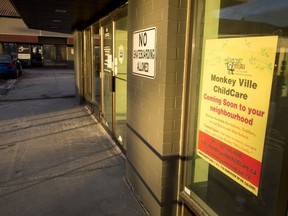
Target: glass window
61,55
238,129
54,55
10,48
49,56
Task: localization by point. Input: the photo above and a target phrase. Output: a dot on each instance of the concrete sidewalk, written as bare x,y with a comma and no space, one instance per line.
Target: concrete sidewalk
55,159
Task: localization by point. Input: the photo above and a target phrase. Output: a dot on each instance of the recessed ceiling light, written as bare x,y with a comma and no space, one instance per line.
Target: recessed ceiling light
60,11
57,21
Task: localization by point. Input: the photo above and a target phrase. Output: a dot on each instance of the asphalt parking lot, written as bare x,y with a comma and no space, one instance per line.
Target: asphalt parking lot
6,85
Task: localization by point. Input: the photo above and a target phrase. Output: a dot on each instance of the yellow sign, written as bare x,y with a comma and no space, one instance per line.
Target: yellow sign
234,104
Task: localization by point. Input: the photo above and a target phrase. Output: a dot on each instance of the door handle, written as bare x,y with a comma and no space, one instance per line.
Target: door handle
112,83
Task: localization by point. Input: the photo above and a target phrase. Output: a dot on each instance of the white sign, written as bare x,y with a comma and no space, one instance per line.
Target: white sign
121,54
24,56
144,52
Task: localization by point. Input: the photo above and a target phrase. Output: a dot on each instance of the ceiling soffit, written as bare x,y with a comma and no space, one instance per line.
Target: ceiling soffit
63,15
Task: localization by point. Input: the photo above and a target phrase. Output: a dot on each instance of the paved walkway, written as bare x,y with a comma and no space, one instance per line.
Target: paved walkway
55,159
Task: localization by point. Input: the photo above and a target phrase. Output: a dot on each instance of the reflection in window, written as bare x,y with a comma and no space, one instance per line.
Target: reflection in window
271,13
257,17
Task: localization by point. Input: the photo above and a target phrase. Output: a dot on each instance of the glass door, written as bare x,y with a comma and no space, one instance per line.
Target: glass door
96,70
107,32
120,71
36,55
114,89
88,65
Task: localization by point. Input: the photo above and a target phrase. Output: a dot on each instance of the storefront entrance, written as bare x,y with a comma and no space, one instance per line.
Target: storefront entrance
104,72
114,77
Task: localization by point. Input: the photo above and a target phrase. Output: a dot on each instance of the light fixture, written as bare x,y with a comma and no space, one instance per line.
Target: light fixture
57,20
60,11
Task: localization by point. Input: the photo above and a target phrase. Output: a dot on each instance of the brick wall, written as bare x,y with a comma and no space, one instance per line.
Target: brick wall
154,105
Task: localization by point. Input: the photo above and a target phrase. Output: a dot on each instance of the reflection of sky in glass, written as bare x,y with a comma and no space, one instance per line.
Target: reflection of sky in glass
274,12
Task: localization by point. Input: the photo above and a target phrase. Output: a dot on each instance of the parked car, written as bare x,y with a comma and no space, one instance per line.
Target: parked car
9,66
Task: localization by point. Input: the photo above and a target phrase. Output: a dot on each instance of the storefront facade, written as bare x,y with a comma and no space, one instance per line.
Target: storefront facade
195,94
35,48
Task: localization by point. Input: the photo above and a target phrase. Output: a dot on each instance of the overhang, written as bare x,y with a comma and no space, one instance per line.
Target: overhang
63,16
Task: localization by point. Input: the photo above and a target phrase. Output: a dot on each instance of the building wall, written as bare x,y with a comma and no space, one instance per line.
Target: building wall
154,106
